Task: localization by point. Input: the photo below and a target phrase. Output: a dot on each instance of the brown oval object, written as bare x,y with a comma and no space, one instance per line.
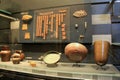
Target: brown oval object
75,51
101,50
26,17
80,13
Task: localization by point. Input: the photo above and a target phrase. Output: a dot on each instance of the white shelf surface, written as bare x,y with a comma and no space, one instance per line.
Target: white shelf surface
64,70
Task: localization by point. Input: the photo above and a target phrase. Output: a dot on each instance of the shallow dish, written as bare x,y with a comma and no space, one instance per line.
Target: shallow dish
51,57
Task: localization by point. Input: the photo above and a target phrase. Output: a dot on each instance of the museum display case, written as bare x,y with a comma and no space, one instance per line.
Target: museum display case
60,40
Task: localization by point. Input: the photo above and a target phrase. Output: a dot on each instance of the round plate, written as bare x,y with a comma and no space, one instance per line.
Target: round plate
51,57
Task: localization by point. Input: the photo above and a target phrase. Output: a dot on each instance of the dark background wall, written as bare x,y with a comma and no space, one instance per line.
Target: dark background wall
17,6
37,49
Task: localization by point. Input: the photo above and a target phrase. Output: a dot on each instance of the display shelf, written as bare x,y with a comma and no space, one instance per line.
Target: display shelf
116,44
63,70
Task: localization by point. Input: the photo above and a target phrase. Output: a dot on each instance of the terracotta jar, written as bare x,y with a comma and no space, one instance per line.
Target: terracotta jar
75,52
101,50
16,58
22,55
5,53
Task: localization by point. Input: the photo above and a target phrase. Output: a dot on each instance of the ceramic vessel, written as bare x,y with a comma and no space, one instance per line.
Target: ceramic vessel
22,55
5,53
101,50
15,58
75,51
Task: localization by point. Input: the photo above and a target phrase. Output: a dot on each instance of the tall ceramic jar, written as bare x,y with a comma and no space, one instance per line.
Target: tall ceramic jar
5,53
101,50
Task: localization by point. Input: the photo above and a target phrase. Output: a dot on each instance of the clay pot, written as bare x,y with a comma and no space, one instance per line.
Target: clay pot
101,50
5,53
16,58
22,55
75,52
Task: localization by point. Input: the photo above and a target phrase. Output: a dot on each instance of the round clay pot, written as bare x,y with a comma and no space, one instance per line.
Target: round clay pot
75,51
22,55
5,53
101,50
15,58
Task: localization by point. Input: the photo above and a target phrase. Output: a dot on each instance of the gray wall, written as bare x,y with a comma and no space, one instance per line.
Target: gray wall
23,5
4,30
